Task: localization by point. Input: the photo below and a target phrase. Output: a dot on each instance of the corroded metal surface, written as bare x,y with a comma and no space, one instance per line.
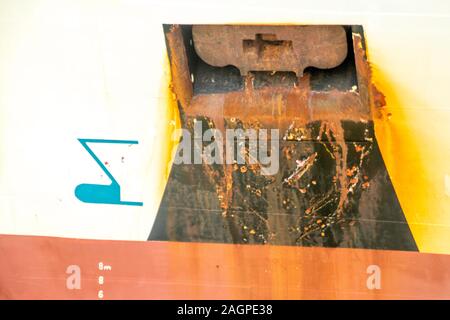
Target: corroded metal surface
181,78
270,48
280,107
332,188
326,193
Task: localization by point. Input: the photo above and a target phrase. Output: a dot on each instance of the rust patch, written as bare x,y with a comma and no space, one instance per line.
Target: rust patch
271,48
367,88
181,77
279,107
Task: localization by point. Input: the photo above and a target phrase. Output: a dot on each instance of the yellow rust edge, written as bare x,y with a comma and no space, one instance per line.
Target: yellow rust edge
399,130
167,134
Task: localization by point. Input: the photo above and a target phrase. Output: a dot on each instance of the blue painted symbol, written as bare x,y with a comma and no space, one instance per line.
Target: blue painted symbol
99,193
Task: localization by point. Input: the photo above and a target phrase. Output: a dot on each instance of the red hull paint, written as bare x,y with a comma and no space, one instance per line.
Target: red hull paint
35,268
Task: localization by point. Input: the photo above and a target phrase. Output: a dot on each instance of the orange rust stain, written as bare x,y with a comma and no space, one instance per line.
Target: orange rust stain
181,77
167,136
408,142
